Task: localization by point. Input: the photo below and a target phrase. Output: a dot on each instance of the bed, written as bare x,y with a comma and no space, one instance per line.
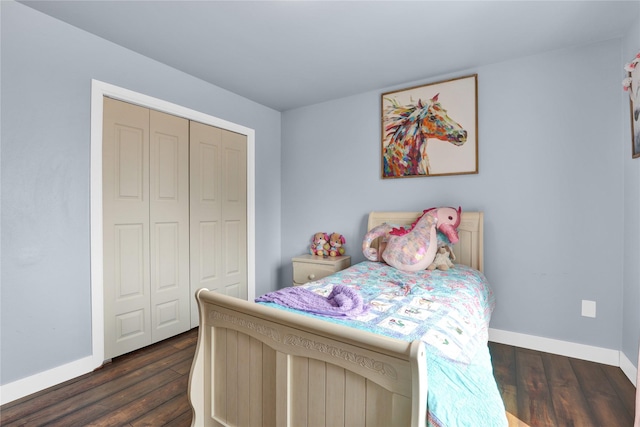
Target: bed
259,365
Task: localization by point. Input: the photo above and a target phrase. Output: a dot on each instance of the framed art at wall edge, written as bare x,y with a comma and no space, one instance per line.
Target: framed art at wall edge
632,85
431,130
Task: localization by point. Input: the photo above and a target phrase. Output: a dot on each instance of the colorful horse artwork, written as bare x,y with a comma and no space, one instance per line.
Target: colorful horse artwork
407,130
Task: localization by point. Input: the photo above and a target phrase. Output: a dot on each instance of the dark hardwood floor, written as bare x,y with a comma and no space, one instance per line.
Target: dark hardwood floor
149,388
542,389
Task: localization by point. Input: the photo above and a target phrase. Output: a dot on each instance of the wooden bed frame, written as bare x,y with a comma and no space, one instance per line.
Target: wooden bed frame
260,366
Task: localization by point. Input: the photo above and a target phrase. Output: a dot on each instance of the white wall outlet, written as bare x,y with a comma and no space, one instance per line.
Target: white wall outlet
588,308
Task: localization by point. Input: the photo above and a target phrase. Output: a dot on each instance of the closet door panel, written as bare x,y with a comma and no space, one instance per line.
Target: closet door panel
169,225
129,262
206,262
234,213
207,254
205,208
126,227
218,212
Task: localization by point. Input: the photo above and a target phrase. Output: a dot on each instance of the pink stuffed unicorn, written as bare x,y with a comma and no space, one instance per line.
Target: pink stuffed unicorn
414,249
448,222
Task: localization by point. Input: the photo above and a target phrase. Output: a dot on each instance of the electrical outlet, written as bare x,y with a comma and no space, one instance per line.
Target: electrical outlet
588,308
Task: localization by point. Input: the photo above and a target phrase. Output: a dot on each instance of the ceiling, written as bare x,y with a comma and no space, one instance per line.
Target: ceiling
288,54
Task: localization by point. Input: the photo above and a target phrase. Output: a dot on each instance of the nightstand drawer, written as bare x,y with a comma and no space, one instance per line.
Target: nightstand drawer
307,268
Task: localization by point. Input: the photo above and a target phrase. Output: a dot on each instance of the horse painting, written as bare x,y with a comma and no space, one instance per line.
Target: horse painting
407,129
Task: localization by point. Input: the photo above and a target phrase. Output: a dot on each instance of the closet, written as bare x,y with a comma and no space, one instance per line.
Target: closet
174,220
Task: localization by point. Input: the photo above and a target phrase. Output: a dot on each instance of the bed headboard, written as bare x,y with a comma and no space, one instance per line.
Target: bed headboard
468,250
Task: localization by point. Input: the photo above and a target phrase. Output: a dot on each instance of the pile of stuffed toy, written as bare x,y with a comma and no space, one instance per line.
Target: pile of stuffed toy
325,244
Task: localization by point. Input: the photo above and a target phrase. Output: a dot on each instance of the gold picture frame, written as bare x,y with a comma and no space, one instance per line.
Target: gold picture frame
431,130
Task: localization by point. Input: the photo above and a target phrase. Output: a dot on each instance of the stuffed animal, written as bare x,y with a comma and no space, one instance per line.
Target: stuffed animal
320,244
414,248
448,222
443,259
336,241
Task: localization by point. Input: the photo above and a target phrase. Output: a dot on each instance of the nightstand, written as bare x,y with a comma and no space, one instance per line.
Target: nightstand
307,268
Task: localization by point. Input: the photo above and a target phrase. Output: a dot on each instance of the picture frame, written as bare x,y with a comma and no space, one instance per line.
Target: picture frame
430,130
634,105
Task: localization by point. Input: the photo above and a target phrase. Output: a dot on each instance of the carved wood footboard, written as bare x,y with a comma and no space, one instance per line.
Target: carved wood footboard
259,366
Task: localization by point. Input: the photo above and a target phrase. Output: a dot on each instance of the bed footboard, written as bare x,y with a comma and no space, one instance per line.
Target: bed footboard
259,366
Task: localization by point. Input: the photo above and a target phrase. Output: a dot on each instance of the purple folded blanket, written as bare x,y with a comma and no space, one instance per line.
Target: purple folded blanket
343,301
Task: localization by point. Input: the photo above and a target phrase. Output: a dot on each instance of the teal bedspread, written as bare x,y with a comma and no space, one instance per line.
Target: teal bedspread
450,312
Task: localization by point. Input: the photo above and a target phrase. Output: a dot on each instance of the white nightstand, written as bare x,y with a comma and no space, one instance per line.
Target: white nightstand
307,268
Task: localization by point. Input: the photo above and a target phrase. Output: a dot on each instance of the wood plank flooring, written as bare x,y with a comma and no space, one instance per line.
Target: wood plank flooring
149,388
542,389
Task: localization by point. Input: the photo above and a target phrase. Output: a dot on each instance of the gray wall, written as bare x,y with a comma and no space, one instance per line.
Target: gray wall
631,289
551,184
47,67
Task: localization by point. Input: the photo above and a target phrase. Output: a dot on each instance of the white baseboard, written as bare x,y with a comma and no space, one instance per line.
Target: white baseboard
565,348
38,382
629,370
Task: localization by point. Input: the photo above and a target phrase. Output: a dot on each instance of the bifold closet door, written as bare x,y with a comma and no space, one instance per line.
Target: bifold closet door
218,214
125,194
169,225
146,226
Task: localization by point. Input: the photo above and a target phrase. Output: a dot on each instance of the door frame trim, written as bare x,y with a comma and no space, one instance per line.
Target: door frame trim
98,91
